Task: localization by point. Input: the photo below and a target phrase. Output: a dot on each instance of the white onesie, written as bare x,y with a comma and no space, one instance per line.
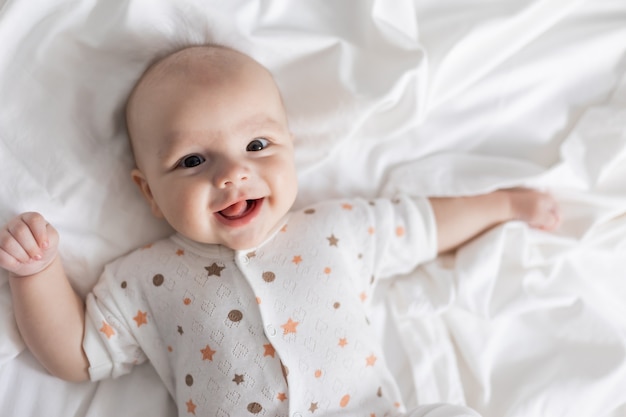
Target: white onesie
277,330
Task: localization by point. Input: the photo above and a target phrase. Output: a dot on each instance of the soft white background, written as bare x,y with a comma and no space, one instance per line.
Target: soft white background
432,97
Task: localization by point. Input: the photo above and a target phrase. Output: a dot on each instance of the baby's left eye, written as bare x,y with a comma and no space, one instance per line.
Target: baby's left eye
257,144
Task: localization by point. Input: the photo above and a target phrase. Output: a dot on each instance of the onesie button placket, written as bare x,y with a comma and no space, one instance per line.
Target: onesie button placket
244,259
270,330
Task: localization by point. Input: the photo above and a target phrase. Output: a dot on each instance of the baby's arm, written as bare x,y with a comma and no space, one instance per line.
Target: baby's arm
460,219
49,313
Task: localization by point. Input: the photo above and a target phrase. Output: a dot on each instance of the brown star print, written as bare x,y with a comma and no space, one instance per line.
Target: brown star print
332,240
215,269
238,379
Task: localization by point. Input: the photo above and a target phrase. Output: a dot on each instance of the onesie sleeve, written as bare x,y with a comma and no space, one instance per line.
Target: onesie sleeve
399,234
109,343
406,235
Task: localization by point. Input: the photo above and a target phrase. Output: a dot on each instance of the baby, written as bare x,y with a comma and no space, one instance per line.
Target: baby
249,308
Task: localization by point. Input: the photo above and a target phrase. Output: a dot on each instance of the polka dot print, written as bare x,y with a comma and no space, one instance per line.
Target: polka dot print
249,326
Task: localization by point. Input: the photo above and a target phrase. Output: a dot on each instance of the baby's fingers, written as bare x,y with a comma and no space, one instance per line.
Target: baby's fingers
27,237
39,228
28,245
8,261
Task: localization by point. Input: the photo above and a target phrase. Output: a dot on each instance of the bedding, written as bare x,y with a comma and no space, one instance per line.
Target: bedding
425,97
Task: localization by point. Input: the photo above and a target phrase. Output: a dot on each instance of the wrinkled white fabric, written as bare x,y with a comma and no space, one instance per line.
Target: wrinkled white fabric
437,97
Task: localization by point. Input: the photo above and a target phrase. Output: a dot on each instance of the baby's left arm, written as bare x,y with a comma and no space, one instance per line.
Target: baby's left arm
460,219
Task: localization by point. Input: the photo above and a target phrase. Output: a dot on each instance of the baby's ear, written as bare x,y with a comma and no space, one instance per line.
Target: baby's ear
140,179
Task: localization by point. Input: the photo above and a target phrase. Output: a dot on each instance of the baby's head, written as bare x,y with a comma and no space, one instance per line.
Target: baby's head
212,145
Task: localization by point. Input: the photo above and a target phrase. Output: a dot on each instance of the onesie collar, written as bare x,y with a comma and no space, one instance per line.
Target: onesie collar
214,250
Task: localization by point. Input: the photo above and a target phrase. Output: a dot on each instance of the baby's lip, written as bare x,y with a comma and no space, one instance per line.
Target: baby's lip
236,209
230,200
239,213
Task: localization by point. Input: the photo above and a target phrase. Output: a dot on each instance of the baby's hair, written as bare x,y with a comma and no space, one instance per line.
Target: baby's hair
176,61
182,63
170,62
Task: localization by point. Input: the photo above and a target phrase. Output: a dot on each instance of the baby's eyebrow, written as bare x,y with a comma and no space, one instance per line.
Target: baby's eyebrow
258,121
181,140
172,143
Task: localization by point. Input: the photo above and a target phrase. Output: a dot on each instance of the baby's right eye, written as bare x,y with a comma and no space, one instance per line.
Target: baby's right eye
191,161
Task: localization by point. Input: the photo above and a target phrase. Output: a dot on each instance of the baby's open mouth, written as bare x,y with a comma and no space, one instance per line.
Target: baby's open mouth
239,210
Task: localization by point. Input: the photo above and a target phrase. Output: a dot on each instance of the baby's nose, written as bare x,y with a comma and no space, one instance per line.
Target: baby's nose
230,174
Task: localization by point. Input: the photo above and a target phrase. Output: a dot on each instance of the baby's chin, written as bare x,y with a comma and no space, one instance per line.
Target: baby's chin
245,244
232,242
247,241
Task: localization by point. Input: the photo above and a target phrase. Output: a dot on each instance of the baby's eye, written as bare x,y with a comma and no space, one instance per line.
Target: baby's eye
257,144
191,161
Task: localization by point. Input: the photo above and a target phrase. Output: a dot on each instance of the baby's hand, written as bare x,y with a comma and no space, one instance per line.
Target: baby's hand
540,210
28,244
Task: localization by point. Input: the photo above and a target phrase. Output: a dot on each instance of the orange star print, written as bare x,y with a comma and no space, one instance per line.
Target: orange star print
207,353
107,329
269,350
141,318
370,360
289,327
191,407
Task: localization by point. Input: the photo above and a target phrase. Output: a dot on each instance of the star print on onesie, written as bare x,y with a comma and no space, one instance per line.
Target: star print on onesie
273,330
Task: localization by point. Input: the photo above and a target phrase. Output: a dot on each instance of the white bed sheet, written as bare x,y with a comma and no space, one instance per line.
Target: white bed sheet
433,97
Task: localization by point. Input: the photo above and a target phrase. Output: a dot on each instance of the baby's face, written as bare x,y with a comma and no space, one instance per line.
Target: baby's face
215,154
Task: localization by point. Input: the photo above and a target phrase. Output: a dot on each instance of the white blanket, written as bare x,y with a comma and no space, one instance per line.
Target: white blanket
429,97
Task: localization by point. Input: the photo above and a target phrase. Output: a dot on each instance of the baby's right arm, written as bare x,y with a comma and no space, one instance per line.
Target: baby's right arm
49,313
